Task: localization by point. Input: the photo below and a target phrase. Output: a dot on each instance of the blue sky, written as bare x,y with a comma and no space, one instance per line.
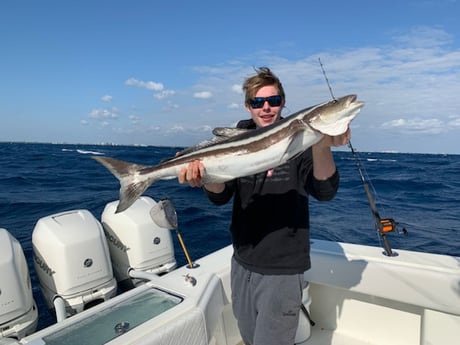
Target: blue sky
167,72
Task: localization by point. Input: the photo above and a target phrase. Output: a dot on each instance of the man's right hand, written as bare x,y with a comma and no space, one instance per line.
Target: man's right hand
192,174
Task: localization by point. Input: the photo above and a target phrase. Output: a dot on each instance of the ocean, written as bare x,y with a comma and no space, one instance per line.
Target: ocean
419,191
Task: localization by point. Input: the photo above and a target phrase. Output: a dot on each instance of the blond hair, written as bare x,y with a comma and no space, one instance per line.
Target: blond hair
263,77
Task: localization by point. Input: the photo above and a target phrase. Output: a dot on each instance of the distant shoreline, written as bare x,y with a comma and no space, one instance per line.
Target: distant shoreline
181,147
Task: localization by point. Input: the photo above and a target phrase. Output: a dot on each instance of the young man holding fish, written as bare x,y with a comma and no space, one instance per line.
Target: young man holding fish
270,221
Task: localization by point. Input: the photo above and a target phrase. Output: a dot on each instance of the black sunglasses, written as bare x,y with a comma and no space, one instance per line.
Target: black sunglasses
258,102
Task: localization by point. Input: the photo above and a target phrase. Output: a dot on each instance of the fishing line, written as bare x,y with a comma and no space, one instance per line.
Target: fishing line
363,172
382,225
327,80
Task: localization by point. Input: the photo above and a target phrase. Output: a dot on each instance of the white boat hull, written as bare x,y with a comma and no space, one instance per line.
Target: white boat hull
359,296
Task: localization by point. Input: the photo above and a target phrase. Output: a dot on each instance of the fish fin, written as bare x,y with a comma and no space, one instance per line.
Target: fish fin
221,134
228,132
130,192
118,167
130,189
196,147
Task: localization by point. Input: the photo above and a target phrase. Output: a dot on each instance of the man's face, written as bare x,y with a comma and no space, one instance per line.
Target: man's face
266,114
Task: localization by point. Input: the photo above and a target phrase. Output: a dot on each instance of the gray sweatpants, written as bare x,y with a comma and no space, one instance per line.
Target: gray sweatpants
266,306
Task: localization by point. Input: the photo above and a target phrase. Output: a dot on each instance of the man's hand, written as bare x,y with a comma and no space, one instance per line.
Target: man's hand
338,140
323,160
192,174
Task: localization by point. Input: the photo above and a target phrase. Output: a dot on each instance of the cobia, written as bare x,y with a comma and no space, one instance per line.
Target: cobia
235,152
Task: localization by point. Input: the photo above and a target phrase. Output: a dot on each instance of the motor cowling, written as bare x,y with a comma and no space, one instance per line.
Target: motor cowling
18,310
72,260
136,241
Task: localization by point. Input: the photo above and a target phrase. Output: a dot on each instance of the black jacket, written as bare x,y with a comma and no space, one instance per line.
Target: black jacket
270,219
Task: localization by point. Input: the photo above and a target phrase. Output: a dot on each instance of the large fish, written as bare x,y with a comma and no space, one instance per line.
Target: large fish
236,153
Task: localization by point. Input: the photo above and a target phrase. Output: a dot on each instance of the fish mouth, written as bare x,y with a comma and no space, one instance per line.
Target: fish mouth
336,116
351,99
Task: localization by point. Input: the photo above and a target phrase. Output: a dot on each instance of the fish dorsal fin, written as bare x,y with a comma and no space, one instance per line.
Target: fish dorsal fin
220,134
196,147
228,132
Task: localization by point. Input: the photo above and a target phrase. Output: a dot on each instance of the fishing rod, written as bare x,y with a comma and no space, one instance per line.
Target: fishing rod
382,225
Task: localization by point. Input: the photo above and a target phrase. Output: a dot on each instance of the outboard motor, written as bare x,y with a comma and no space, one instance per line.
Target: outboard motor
18,310
136,242
72,261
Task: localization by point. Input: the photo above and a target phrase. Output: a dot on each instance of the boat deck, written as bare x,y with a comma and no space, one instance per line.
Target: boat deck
325,337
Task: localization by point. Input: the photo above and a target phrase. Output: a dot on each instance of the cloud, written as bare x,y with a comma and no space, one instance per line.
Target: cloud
164,93
409,85
237,88
159,91
454,123
104,114
149,85
417,125
106,98
233,106
424,36
203,95
205,128
134,119
177,129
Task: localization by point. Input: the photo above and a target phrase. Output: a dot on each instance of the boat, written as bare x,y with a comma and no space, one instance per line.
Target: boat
356,294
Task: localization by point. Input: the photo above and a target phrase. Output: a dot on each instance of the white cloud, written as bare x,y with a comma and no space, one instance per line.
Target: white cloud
149,85
134,119
455,122
203,95
424,36
172,105
233,106
237,88
164,93
106,98
176,129
409,85
103,113
417,125
206,128
159,91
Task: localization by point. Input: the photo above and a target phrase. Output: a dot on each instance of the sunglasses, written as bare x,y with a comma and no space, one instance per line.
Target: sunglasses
258,102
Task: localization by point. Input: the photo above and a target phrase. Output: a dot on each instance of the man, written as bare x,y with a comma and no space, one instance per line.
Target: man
270,222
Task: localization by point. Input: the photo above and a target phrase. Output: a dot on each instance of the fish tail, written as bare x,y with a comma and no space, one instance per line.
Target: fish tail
130,188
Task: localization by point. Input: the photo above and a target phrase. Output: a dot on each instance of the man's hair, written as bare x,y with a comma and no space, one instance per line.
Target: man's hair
263,77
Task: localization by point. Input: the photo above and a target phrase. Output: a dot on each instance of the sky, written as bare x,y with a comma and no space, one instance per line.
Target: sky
166,72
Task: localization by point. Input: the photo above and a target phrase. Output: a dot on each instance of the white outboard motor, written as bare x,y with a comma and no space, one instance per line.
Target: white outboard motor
136,242
18,310
72,261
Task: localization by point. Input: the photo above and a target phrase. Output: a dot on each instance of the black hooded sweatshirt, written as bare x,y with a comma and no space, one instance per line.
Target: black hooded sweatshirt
270,220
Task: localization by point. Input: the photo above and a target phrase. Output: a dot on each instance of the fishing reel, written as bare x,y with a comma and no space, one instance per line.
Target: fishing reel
387,225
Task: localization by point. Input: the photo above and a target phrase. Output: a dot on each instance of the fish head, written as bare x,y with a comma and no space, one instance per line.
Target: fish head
333,117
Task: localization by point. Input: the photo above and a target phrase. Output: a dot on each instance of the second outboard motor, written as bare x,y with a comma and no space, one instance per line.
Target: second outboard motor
136,242
18,310
72,261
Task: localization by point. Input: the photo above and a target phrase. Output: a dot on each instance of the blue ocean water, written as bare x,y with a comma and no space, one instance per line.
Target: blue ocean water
419,191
